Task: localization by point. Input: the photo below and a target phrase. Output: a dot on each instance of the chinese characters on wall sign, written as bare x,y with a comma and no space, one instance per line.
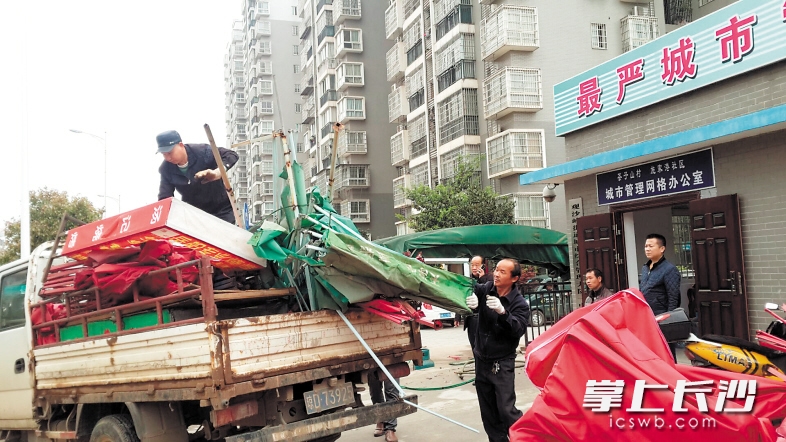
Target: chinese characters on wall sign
711,49
576,212
684,173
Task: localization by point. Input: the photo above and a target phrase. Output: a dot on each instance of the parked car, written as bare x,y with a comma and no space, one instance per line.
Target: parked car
549,302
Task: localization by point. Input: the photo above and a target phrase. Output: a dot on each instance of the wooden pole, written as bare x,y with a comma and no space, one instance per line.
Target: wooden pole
333,155
222,169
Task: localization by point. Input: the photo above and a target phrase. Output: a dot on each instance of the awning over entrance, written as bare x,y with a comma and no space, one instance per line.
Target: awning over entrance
530,245
756,123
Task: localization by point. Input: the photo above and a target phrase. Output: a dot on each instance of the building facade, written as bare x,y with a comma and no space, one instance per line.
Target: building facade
473,78
693,151
343,80
262,80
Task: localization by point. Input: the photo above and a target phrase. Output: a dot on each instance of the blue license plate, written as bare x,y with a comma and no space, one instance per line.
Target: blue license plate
318,401
445,315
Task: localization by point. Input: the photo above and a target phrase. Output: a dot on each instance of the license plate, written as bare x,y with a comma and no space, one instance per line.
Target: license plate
318,401
445,315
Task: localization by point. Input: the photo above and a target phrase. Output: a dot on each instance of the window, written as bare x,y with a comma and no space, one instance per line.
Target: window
352,107
241,129
704,2
298,108
295,30
514,151
419,175
295,50
680,223
352,39
266,87
264,47
263,27
358,210
294,10
297,88
300,148
238,65
296,68
266,126
358,176
264,8
266,107
599,40
351,73
12,300
265,67
530,210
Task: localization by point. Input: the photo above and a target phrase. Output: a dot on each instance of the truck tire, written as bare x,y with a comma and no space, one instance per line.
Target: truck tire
114,428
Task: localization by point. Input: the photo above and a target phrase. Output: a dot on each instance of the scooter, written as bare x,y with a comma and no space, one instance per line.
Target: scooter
766,359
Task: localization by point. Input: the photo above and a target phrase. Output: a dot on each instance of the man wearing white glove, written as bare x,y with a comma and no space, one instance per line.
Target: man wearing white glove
503,315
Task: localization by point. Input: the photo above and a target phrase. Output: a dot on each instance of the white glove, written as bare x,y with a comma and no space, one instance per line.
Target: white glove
472,301
495,304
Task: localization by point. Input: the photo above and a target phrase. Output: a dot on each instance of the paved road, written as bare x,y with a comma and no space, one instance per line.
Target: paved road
446,346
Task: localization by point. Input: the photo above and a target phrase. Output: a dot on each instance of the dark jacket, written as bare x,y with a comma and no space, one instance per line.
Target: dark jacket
498,335
660,286
210,197
604,292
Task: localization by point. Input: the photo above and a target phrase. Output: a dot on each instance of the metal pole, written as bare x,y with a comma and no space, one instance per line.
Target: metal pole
333,154
105,173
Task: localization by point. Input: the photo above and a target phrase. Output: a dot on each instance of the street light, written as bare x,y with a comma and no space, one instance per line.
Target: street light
104,140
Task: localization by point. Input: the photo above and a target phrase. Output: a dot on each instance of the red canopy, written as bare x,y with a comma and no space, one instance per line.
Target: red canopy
618,339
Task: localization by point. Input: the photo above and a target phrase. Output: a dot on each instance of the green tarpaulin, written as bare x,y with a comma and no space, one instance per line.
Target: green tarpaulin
530,245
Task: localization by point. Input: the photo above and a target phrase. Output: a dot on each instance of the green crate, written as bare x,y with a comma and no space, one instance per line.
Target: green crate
105,326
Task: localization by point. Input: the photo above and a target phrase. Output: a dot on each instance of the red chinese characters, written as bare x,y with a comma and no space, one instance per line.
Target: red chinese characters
678,63
736,39
589,97
629,74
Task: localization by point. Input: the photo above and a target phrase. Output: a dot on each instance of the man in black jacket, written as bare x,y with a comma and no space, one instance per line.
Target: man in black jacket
479,273
503,315
660,280
191,169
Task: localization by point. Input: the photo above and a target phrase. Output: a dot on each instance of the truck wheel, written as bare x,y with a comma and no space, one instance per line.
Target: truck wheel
114,428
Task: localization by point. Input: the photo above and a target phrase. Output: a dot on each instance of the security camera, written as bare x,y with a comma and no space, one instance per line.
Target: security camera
549,194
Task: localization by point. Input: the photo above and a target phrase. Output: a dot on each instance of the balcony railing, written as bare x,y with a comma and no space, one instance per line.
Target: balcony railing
395,61
410,6
398,105
352,176
462,69
327,129
306,57
399,148
417,99
352,143
460,14
394,20
509,28
327,31
329,95
514,152
346,9
638,30
512,89
400,185
307,85
418,147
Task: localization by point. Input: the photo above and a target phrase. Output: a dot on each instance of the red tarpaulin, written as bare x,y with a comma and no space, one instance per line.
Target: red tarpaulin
617,339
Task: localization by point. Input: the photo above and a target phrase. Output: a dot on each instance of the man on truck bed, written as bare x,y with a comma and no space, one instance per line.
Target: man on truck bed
191,169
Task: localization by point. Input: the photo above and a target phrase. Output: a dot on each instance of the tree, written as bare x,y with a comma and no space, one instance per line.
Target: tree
459,201
46,211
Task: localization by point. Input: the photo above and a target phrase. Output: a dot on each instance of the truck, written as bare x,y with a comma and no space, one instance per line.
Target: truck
198,364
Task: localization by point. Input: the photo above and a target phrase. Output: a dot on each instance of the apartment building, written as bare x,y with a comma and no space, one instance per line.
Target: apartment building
262,81
472,78
343,80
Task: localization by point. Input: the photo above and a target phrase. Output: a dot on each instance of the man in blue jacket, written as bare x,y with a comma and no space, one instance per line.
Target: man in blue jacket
503,315
191,169
660,279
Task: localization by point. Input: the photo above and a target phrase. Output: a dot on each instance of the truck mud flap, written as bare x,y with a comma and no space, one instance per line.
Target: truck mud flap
328,424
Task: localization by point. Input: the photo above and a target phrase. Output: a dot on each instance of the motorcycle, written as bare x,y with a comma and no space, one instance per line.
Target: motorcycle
766,359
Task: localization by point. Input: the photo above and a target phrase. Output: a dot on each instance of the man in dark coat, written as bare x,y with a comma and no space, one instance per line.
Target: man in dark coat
191,169
479,273
660,280
503,315
598,290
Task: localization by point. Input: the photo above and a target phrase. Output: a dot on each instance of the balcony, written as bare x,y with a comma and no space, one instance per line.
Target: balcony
414,52
351,108
410,6
511,28
323,3
262,28
512,90
395,61
394,20
352,143
400,185
306,57
327,31
399,148
460,70
306,28
325,65
349,74
514,152
346,10
348,40
307,85
638,30
352,176
461,13
328,96
356,210
327,129
417,99
308,111
398,105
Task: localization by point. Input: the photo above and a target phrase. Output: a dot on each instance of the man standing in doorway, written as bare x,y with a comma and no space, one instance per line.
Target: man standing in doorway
502,320
660,280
